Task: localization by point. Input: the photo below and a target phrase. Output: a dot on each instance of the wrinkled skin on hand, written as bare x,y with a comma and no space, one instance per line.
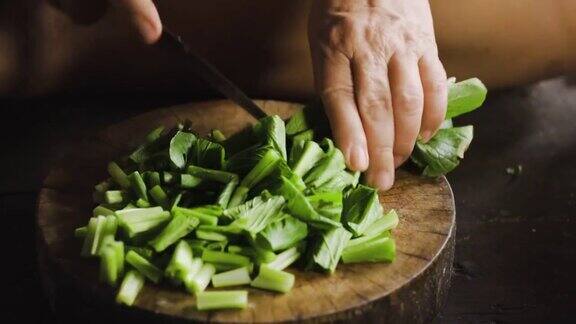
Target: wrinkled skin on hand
376,69
378,74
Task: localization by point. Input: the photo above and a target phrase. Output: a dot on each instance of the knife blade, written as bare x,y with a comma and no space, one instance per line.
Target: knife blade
209,73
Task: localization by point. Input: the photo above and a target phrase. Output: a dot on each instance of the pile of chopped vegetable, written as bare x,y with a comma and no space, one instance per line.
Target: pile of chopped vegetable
195,211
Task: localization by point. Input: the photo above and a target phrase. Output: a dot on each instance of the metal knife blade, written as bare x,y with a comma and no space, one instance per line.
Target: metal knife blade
209,73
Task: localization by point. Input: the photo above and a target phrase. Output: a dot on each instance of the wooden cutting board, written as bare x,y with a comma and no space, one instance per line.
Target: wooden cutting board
409,290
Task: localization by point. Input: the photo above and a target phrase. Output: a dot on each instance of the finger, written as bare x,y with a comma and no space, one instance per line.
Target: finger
373,98
334,84
435,88
145,17
408,101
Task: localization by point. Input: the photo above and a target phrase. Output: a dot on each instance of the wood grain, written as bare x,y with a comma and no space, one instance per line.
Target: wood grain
412,288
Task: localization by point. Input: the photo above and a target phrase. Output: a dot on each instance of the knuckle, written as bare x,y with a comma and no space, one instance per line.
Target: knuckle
332,93
339,32
410,101
381,152
375,110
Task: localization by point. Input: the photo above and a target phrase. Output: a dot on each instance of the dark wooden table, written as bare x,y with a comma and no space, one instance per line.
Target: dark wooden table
516,237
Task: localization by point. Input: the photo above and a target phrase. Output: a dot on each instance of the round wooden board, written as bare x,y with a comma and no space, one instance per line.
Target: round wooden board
411,289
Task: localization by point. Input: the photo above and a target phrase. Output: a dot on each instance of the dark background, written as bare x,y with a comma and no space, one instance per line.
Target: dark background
515,256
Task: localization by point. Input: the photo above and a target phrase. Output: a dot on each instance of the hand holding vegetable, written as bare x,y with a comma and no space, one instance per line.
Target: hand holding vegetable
378,74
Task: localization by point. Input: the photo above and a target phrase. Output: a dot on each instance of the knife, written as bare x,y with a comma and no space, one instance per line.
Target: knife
208,72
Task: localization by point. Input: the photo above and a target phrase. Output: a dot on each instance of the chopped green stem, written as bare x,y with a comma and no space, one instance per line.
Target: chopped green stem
118,175
189,181
179,226
236,277
226,194
144,266
198,282
225,258
94,236
182,263
217,136
168,177
272,279
364,239
103,186
80,232
210,236
109,229
141,203
114,196
206,215
384,223
259,255
89,237
139,220
159,196
101,211
152,178
211,175
381,248
111,262
130,288
138,185
210,300
284,259
239,196
145,252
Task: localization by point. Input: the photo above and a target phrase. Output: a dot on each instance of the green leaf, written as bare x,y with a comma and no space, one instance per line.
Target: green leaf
465,96
271,131
283,233
328,204
180,146
257,214
211,174
342,181
207,154
330,165
443,152
328,248
297,123
298,142
361,208
301,208
263,168
311,154
149,148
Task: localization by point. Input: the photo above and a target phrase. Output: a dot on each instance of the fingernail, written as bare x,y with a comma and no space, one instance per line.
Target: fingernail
384,180
425,136
358,158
